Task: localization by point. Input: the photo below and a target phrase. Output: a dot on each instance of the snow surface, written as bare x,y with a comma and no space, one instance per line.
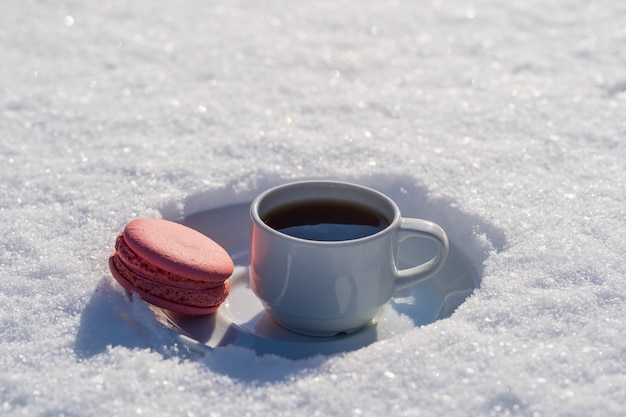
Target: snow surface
503,121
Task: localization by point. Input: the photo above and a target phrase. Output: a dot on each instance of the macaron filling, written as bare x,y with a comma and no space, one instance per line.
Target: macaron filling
197,297
159,302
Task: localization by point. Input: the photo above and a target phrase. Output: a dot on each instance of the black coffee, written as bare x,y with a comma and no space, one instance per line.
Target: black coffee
326,220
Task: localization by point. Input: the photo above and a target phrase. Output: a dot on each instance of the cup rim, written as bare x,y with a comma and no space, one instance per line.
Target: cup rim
256,217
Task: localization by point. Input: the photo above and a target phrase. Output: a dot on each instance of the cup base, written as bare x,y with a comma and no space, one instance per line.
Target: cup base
322,334
322,327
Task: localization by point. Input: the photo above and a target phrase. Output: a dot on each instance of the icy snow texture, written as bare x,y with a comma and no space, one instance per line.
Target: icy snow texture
502,121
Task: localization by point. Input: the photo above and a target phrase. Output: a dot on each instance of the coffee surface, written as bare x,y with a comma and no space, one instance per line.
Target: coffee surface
326,220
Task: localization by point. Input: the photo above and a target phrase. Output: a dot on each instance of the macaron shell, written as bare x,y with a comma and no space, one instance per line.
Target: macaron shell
212,302
178,249
141,267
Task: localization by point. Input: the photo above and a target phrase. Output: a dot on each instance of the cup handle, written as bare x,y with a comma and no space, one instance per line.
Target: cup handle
424,229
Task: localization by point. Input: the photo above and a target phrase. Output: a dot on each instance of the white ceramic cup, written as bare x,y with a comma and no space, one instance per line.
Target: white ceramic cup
323,288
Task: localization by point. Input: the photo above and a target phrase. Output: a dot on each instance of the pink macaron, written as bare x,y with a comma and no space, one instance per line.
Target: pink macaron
171,266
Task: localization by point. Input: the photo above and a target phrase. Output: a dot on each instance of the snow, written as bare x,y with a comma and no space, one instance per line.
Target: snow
505,122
